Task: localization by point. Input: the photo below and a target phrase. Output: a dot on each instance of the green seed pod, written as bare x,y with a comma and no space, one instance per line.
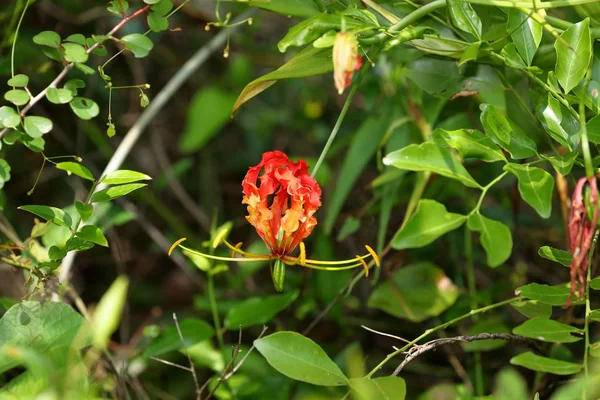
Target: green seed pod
278,275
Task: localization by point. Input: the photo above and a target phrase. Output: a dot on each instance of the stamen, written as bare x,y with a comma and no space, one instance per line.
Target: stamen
302,258
176,244
364,264
236,249
235,259
373,254
219,237
351,260
332,268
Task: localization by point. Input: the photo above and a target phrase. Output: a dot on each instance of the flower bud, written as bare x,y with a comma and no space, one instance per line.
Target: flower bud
345,59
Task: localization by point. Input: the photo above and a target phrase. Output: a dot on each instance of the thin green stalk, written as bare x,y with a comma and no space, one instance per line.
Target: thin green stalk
473,300
12,51
585,144
484,191
437,328
342,115
215,313
530,3
588,311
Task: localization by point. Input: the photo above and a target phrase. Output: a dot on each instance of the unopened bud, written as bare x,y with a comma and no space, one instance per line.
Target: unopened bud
345,59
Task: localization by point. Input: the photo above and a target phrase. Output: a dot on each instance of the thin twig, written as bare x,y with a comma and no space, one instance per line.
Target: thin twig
172,364
70,66
414,352
187,354
234,353
385,334
238,365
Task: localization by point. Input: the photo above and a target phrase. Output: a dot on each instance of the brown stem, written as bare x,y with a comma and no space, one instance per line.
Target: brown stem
70,66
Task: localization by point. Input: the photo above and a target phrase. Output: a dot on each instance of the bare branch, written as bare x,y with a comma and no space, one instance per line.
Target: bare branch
172,364
414,352
385,334
187,354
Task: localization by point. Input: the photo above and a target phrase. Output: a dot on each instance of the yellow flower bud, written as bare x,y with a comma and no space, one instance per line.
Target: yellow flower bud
345,59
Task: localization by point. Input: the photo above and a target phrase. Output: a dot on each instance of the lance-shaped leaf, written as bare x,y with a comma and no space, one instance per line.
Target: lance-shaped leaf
431,157
573,54
525,33
309,62
559,123
506,133
548,330
464,17
301,359
535,186
560,256
430,221
469,143
495,238
534,362
552,295
295,8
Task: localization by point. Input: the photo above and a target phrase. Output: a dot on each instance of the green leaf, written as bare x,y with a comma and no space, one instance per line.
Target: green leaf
386,388
438,77
208,113
363,146
47,38
548,330
595,315
18,97
559,123
50,328
299,358
108,312
92,234
308,62
114,192
73,84
162,7
534,362
573,54
4,172
52,54
118,7
562,164
85,69
151,1
138,44
84,210
313,28
59,96
121,176
560,256
495,238
295,8
595,283
157,22
75,53
525,33
193,331
77,169
593,129
430,157
19,80
9,117
533,308
506,133
58,216
512,57
429,222
595,349
37,126
76,38
470,53
464,17
84,108
510,385
535,186
418,292
553,295
258,310
469,143
34,144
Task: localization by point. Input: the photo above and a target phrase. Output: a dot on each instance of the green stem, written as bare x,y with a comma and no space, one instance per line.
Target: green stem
562,24
585,144
588,311
484,191
17,264
215,313
437,328
473,300
12,51
342,115
530,3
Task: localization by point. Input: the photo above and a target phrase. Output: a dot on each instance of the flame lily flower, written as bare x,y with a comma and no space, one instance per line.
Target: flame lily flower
345,59
281,205
583,221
